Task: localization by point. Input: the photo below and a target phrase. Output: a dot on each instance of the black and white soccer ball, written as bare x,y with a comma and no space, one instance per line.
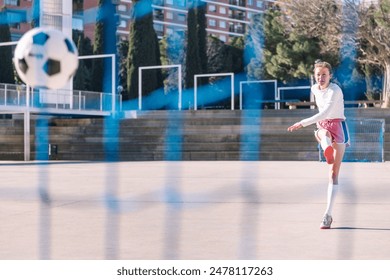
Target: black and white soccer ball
46,58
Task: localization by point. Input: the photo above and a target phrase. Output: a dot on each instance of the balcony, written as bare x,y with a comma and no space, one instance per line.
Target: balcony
158,15
241,3
239,16
12,2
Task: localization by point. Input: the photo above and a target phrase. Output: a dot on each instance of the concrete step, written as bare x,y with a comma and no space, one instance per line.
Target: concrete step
197,135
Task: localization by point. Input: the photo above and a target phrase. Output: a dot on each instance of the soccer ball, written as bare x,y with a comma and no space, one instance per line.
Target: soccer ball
45,58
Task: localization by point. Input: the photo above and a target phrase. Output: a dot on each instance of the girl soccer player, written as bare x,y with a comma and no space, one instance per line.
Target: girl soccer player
332,130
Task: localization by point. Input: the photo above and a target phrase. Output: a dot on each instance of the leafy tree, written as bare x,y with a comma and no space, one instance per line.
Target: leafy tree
333,24
294,58
374,38
279,52
373,80
238,42
321,20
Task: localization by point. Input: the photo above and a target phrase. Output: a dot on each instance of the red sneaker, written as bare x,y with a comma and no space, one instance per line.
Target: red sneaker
328,154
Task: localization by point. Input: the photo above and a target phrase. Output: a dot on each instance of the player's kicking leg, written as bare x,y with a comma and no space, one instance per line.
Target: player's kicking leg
324,138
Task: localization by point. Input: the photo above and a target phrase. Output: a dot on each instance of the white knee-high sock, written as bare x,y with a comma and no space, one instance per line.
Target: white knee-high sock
325,142
332,192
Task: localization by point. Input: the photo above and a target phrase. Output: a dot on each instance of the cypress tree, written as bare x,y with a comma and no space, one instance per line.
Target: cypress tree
104,43
143,51
123,50
193,64
202,37
224,58
35,14
97,64
6,69
82,79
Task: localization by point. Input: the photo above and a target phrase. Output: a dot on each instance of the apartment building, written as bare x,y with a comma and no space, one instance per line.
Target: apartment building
225,18
18,15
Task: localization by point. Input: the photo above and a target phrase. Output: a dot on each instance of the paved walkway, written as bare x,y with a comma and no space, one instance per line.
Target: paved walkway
191,210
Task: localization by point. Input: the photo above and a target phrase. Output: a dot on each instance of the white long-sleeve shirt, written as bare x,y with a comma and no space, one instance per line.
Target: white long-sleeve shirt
330,103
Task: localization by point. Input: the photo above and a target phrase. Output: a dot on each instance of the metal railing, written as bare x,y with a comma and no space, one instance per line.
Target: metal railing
15,96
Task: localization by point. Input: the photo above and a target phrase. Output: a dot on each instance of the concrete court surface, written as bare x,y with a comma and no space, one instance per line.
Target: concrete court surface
191,210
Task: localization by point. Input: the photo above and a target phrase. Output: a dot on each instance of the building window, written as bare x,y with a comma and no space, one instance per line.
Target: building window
158,14
240,28
212,22
123,24
158,2
158,27
231,27
222,10
181,17
222,38
169,15
181,3
122,8
77,23
12,2
212,8
169,31
250,2
259,4
222,24
15,26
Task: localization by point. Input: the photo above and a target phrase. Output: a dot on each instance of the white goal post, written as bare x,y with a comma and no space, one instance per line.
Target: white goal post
113,75
257,82
277,97
140,69
213,75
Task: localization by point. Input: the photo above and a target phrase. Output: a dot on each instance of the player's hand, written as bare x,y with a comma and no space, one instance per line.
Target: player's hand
295,127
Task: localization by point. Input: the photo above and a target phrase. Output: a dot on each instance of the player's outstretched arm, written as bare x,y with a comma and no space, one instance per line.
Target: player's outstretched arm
295,127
